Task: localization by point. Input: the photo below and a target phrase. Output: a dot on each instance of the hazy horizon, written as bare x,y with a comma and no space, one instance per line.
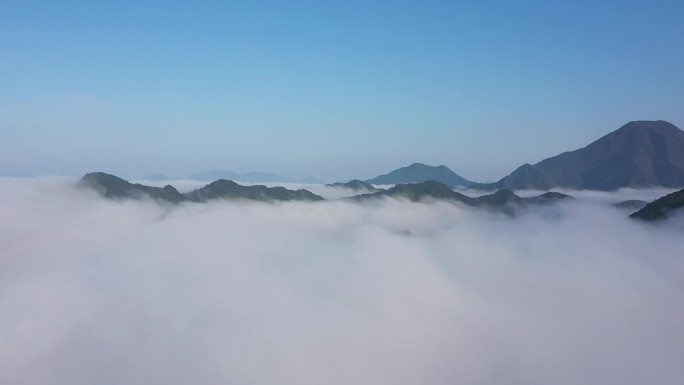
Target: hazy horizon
326,177
335,91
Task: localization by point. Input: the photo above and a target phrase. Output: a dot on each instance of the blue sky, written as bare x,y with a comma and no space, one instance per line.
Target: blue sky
337,90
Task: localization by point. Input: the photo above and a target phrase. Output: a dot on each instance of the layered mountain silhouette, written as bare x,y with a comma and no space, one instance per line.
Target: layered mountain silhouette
433,190
419,172
504,200
227,189
111,186
639,154
662,207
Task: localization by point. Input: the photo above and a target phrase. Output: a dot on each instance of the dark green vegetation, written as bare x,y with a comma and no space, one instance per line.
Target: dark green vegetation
355,184
499,198
433,190
548,197
661,208
227,189
505,200
114,187
639,154
419,172
111,186
418,191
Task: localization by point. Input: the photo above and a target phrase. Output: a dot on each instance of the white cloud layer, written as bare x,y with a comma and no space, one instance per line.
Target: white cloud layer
102,292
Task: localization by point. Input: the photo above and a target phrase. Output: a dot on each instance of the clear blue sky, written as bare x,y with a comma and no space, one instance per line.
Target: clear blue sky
338,89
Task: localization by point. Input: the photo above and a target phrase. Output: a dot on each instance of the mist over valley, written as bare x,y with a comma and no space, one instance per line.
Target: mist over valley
337,291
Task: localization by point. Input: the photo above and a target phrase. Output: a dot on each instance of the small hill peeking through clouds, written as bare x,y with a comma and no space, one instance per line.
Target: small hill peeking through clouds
418,172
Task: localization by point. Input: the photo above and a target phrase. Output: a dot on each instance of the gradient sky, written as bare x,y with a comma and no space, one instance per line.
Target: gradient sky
338,90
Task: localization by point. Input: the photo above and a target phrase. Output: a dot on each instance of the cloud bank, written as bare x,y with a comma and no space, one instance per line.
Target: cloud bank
95,292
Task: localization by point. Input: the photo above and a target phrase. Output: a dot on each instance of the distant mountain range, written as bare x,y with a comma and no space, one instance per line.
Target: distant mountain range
249,177
419,172
114,187
639,154
504,200
439,191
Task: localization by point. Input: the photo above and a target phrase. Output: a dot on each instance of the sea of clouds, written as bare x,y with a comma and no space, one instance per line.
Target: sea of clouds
94,291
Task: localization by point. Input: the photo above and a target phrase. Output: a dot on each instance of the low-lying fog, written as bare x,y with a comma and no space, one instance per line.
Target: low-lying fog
94,291
333,193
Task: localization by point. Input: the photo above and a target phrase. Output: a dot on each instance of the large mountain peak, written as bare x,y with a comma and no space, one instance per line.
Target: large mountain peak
648,125
639,154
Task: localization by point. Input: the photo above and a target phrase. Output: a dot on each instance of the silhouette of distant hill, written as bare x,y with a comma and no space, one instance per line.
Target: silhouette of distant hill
639,154
418,172
355,184
112,186
433,190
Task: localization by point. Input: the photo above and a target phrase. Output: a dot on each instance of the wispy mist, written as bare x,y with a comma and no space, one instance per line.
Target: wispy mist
94,291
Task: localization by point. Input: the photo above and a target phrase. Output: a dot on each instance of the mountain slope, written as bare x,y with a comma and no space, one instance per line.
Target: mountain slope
419,172
112,186
639,154
662,207
227,189
419,191
433,190
354,184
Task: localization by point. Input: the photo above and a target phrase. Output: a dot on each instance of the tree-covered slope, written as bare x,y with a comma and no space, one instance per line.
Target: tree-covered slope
662,207
432,190
112,186
354,184
227,189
